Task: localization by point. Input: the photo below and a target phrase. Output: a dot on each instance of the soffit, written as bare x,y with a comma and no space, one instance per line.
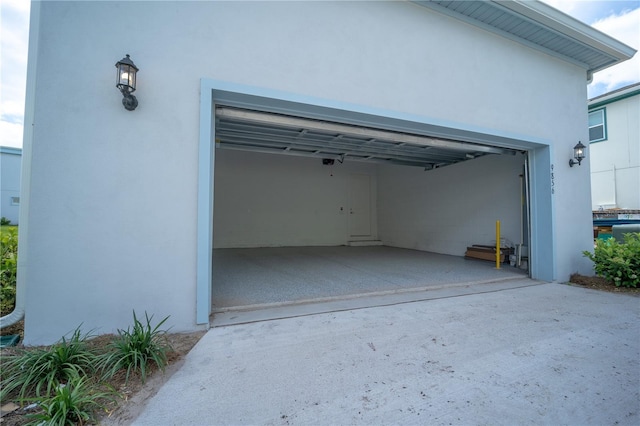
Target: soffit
248,130
540,26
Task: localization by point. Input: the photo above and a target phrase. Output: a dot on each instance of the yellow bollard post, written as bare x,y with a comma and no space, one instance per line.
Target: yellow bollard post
497,244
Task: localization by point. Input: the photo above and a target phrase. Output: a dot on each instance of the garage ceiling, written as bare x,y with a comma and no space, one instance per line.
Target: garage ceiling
247,130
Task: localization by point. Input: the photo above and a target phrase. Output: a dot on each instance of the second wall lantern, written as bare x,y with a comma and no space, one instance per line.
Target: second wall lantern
578,154
126,82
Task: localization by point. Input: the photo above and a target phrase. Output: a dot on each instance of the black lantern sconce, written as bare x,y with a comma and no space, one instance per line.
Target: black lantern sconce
578,154
126,82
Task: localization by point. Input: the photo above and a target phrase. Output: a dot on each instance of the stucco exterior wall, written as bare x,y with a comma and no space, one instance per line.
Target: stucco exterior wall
113,193
615,162
10,161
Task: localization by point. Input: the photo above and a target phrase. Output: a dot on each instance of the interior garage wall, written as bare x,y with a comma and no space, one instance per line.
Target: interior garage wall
269,200
445,210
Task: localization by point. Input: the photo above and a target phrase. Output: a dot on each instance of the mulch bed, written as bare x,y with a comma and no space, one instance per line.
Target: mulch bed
599,283
181,344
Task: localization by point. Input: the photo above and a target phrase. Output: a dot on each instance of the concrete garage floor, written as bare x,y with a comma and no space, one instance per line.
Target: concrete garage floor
540,354
273,276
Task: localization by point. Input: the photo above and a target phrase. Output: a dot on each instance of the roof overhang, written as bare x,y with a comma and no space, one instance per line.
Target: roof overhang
615,96
540,26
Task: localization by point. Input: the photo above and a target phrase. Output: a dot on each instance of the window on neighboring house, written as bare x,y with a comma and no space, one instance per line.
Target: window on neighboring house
597,125
15,201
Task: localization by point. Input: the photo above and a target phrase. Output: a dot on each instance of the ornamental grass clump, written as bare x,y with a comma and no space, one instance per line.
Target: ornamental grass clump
618,262
38,371
136,349
72,403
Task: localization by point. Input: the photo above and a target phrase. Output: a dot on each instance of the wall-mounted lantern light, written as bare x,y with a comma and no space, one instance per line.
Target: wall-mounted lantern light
126,82
578,154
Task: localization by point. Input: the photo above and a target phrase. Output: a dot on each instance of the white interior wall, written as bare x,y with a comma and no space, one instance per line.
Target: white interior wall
269,200
264,200
445,210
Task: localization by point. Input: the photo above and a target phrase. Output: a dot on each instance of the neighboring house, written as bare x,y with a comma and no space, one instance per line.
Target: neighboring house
10,159
433,112
614,136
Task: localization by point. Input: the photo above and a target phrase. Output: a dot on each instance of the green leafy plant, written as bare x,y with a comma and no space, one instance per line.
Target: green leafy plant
618,261
4,221
135,349
8,267
38,371
71,403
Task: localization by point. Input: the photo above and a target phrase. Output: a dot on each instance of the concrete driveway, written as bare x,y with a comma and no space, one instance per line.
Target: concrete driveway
540,354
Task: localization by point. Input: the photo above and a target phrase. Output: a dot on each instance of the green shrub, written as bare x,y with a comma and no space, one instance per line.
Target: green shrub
618,262
135,349
38,371
72,403
4,221
8,268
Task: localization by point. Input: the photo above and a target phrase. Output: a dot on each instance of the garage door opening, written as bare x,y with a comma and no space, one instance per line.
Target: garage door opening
316,210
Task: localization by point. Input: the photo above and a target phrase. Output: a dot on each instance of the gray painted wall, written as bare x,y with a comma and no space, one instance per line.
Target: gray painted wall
10,167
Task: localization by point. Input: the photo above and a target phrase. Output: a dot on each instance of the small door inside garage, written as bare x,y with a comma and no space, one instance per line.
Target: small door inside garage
307,209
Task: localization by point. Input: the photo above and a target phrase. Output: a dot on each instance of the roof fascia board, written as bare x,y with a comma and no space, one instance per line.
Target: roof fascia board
569,26
10,150
609,100
512,37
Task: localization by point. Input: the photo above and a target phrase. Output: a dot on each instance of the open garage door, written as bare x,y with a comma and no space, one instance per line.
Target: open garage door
346,210
274,133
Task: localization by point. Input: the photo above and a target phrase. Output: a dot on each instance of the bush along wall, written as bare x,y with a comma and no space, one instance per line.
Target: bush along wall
618,261
8,268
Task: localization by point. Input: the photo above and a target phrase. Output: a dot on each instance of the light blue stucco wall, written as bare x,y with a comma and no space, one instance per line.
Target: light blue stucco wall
131,192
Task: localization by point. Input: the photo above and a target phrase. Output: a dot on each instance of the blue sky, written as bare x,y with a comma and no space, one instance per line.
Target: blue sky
617,18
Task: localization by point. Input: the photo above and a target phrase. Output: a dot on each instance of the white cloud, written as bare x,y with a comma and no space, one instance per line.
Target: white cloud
625,28
11,134
618,19
14,39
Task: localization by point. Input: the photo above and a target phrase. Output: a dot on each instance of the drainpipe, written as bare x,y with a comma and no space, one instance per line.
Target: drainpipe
16,315
18,312
21,288
23,228
25,177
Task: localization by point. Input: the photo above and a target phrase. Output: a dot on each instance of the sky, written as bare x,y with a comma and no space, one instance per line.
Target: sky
617,18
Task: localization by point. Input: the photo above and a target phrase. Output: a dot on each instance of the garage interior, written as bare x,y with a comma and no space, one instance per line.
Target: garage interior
310,210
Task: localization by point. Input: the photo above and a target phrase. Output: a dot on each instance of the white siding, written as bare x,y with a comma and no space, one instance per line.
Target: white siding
615,162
